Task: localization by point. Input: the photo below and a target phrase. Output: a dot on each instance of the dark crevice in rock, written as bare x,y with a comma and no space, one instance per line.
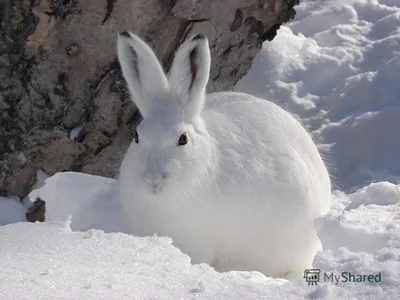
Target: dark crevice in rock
17,23
256,26
226,52
198,20
270,34
101,147
217,75
109,10
237,21
60,9
10,132
24,70
234,71
172,3
109,134
61,86
47,102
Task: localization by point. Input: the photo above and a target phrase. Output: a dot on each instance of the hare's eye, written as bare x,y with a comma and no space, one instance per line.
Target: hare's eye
136,137
182,140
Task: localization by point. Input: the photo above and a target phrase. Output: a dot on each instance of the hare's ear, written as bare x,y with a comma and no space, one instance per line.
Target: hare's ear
189,74
142,71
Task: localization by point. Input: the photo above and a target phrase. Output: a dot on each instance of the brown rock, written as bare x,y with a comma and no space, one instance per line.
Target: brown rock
37,212
44,25
63,101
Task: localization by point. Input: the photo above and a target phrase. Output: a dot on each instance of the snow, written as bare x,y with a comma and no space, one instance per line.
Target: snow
361,225
11,211
90,208
64,257
335,67
74,133
96,265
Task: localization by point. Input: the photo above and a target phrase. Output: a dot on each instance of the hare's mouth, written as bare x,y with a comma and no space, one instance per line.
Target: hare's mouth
155,189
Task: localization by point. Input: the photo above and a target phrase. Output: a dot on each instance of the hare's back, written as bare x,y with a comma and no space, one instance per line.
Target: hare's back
253,122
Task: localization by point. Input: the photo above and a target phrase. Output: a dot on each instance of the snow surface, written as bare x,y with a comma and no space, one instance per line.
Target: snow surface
337,68
11,211
63,257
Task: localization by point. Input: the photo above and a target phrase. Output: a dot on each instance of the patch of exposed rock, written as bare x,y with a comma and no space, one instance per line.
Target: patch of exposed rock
63,101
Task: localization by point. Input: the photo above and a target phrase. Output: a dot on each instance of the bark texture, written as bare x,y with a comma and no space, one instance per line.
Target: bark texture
63,101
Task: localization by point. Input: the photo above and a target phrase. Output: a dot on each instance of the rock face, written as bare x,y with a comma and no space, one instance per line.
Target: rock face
63,101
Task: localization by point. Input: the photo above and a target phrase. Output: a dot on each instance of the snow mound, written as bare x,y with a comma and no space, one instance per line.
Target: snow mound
91,201
336,67
365,221
97,265
62,257
11,210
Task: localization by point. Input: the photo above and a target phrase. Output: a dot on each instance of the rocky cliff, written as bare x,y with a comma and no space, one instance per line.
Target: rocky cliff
63,101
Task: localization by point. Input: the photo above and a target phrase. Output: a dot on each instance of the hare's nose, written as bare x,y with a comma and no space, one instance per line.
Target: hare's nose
154,180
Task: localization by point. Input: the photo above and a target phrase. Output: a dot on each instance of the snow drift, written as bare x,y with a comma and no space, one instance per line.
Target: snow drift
63,257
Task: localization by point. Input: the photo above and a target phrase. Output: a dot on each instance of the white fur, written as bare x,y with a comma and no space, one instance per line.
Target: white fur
243,192
152,81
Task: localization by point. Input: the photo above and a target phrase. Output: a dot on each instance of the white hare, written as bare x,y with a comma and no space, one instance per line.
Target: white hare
234,180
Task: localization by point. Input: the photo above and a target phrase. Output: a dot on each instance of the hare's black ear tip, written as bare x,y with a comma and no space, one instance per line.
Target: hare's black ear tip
199,37
124,34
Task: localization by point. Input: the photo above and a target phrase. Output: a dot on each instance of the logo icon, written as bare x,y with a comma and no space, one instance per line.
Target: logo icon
312,276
